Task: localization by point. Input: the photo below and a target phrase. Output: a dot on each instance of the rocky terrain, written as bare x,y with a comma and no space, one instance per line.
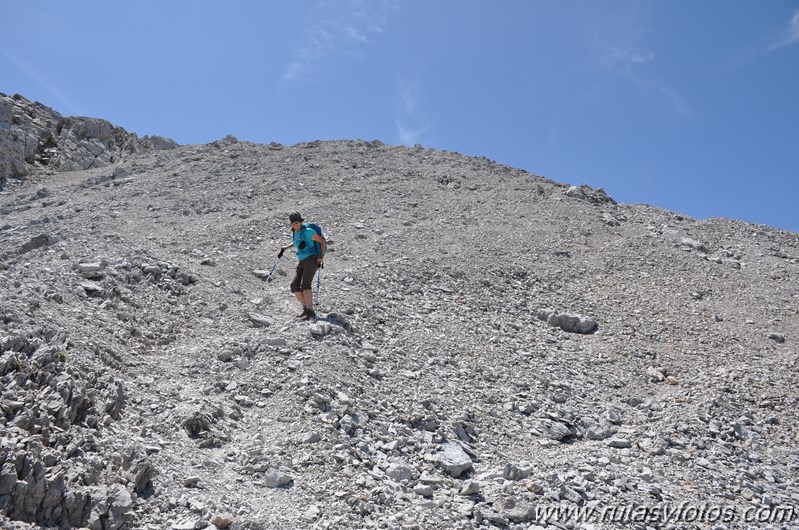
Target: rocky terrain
491,344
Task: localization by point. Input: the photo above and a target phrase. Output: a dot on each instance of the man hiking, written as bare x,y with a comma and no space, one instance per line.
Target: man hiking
311,248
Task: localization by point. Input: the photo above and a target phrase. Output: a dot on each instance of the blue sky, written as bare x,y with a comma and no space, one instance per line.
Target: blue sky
687,105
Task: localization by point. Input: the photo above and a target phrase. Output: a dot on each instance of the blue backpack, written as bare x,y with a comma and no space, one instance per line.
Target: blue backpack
318,229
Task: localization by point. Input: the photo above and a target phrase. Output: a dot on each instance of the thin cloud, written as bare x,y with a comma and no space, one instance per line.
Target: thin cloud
411,122
617,38
676,100
336,29
65,106
789,36
626,59
407,135
623,59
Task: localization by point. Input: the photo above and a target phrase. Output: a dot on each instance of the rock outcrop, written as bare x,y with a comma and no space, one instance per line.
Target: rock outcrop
33,136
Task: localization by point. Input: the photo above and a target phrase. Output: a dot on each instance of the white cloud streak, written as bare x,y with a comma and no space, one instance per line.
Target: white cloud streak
411,122
676,100
789,36
623,59
336,29
625,56
40,79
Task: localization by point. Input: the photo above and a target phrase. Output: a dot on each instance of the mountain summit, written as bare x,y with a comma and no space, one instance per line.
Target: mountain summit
493,349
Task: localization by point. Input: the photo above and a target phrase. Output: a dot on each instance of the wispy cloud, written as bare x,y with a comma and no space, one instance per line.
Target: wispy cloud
411,122
623,58
790,35
336,29
622,50
676,100
60,100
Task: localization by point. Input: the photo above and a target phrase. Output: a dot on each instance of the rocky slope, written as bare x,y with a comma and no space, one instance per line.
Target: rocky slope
493,344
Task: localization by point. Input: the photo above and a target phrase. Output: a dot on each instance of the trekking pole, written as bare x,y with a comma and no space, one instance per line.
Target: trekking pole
269,276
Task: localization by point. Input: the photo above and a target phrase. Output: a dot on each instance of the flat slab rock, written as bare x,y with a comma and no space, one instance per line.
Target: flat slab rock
454,459
568,322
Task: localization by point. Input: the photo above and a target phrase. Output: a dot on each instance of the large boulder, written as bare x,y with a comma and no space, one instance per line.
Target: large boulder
569,322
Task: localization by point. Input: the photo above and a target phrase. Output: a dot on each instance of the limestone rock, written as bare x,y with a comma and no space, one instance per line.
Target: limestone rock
454,459
259,320
570,323
274,478
554,430
222,521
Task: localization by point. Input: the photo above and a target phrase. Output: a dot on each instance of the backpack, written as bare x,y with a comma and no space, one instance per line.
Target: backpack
318,229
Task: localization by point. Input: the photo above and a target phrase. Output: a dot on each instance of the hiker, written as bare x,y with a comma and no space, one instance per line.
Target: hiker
310,247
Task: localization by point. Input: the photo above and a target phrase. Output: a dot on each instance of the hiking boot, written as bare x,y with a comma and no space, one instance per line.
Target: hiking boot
309,314
302,315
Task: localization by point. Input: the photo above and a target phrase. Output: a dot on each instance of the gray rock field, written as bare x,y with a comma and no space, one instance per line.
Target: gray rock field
491,344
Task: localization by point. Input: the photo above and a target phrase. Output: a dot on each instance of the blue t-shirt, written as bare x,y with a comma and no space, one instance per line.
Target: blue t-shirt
304,234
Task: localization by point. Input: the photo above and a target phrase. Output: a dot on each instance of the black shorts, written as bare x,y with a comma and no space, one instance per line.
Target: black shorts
303,278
